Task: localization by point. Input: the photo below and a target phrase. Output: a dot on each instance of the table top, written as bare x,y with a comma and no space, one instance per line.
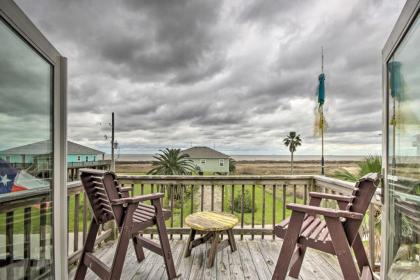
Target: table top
211,221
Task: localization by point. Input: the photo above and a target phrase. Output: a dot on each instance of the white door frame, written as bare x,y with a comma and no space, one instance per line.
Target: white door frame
22,25
403,24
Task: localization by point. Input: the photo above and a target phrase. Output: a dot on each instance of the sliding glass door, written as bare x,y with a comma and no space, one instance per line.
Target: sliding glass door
26,158
403,162
32,151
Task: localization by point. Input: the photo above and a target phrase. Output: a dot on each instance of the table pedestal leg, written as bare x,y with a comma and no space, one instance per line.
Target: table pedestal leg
189,243
213,250
231,239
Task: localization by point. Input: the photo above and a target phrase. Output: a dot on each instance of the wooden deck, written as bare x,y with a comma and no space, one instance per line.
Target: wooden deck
253,260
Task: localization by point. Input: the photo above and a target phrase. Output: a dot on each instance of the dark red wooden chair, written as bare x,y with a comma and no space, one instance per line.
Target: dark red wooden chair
337,232
108,202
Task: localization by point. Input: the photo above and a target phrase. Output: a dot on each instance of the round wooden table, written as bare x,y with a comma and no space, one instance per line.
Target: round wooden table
212,224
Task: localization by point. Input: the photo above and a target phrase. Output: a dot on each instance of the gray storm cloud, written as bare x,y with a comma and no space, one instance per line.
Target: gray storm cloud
237,74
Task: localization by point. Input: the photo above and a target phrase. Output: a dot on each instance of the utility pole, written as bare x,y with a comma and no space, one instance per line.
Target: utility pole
112,144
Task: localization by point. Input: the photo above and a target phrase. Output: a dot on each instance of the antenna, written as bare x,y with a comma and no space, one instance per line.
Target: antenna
322,59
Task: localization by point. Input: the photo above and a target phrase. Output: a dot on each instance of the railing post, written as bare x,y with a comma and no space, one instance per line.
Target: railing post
27,241
242,209
263,211
372,235
76,222
9,243
274,209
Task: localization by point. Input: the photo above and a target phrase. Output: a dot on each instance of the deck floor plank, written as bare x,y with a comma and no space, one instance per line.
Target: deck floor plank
235,265
270,249
253,260
159,271
197,268
185,265
259,261
248,266
223,267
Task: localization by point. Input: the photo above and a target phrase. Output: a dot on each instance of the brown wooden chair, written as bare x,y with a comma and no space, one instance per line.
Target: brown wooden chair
108,202
337,233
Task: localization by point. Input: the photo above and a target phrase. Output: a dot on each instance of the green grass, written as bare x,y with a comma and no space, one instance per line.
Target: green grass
19,219
269,199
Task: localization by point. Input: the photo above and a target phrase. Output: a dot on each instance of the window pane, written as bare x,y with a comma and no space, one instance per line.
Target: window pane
26,159
404,158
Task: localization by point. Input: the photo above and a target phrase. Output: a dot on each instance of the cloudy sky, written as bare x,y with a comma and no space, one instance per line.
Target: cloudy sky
237,75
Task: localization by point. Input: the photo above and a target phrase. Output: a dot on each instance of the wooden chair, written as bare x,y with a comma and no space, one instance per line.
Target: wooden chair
108,202
337,233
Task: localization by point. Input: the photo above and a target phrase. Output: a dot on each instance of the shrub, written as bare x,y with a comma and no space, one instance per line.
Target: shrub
247,202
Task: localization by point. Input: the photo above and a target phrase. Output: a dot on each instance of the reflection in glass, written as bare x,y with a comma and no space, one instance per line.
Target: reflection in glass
26,159
404,158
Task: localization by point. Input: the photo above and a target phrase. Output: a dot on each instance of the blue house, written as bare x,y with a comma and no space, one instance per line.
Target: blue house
36,158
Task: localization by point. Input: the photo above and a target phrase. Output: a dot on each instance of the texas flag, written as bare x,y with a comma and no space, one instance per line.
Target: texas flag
7,177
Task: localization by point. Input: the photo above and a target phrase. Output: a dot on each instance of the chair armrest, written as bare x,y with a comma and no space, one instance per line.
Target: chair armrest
328,212
346,198
137,199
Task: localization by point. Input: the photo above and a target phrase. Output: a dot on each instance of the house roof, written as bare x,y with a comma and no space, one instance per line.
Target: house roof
204,153
43,147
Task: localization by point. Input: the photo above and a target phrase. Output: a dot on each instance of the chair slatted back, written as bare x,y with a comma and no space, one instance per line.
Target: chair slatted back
363,192
113,191
98,199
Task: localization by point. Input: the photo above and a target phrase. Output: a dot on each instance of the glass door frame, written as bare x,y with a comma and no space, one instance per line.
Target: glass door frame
20,23
402,26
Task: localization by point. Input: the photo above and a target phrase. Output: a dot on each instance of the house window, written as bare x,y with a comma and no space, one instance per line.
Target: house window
221,162
203,161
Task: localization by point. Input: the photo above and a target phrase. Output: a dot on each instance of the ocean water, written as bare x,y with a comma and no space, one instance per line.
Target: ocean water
149,157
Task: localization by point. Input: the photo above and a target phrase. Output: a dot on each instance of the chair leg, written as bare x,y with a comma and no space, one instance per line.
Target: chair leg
138,249
296,266
360,253
342,248
121,251
288,246
164,241
87,248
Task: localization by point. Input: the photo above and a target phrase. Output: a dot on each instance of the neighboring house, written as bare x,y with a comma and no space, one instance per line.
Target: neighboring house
79,153
36,157
209,160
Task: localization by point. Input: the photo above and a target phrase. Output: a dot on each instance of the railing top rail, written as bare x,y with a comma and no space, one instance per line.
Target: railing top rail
214,177
13,196
217,180
331,183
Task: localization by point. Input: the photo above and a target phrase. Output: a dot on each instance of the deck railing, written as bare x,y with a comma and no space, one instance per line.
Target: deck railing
250,198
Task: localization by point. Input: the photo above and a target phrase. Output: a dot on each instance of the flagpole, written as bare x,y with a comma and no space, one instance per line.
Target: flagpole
322,143
112,144
322,117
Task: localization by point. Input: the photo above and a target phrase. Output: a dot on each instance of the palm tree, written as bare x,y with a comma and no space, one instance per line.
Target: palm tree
172,162
292,141
370,164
